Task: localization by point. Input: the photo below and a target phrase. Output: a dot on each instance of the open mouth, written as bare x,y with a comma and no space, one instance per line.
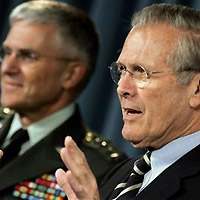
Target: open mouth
132,111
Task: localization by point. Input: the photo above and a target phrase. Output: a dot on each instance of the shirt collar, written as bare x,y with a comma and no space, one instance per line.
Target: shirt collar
174,150
37,131
169,154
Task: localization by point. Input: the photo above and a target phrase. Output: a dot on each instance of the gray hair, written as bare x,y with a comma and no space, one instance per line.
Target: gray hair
77,35
185,58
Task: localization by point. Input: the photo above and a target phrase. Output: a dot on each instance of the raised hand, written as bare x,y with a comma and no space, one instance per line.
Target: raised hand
78,182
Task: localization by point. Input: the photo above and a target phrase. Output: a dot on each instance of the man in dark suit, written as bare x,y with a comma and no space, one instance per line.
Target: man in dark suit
158,80
47,59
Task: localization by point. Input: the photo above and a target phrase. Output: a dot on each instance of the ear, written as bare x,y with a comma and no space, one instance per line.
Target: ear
73,75
195,97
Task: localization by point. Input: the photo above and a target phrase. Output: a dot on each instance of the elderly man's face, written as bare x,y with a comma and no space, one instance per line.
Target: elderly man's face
30,84
159,112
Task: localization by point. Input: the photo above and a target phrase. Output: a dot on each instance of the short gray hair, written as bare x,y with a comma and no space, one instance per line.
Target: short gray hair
185,58
77,32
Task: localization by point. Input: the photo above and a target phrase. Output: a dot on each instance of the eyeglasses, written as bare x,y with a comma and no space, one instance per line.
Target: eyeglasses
28,56
138,73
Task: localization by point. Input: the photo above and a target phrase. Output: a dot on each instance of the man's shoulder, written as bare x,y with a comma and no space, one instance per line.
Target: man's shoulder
104,147
5,113
101,154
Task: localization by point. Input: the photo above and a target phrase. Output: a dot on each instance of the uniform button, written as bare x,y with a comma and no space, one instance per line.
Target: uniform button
97,140
7,110
104,143
114,155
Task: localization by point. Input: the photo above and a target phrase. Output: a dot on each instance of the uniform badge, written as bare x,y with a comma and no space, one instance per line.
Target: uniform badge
43,188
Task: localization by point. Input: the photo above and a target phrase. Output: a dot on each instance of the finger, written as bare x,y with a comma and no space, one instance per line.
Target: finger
60,176
72,188
75,184
74,158
1,153
62,179
79,178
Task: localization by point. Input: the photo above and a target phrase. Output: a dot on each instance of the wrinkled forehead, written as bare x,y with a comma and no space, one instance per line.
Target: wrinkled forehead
24,34
151,42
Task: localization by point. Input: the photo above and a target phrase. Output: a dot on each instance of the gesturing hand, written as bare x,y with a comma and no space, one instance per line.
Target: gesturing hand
78,182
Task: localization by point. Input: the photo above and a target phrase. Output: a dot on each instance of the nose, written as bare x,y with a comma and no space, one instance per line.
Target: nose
126,87
10,64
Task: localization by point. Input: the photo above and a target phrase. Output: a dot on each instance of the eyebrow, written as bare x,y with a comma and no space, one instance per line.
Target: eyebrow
23,50
131,65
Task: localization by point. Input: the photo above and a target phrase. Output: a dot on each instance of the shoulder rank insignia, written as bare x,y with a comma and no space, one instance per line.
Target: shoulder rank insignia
106,146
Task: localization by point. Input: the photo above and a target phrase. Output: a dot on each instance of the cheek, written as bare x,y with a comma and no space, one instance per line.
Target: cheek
49,84
156,107
41,77
163,108
36,83
34,80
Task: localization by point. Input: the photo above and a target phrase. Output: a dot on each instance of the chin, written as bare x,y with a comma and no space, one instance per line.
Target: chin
138,145
7,104
134,138
130,133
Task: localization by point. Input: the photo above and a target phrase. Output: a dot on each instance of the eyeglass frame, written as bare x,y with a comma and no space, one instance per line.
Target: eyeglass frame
147,74
31,56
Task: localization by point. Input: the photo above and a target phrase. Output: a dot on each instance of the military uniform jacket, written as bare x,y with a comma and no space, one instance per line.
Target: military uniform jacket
180,181
31,175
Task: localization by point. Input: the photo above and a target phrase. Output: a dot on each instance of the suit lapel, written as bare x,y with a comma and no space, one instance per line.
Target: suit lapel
168,183
4,128
44,156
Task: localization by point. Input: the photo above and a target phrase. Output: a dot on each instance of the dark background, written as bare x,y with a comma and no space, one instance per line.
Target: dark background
99,103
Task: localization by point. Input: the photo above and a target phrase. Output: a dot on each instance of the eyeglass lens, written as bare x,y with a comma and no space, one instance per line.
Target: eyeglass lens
138,74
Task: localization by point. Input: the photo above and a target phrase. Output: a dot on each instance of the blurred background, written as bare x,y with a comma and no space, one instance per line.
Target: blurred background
99,103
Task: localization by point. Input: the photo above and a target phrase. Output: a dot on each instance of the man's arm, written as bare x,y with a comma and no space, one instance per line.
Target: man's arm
78,182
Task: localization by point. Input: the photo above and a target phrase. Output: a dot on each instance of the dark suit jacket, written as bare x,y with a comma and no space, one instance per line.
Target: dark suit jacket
44,158
181,181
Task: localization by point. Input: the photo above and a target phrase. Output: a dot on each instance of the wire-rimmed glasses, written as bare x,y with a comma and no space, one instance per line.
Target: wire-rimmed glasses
139,74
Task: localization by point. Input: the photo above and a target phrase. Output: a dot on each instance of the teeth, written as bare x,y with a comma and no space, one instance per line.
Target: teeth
133,112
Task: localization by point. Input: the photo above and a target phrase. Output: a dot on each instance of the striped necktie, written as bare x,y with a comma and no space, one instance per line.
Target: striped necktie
129,188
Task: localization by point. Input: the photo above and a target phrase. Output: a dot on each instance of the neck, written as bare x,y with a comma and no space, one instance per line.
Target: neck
31,116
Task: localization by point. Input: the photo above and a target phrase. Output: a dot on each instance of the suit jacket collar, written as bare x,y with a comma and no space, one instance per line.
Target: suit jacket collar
44,156
169,181
4,128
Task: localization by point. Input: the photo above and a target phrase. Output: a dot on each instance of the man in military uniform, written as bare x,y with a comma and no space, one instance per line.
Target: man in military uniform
47,59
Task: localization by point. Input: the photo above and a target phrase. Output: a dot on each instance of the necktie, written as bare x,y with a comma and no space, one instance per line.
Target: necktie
129,188
14,147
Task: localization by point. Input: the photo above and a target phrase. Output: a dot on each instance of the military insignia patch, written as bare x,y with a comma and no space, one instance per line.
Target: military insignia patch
43,188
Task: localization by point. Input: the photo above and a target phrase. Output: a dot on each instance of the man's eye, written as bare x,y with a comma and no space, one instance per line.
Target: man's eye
122,68
28,55
138,69
6,52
